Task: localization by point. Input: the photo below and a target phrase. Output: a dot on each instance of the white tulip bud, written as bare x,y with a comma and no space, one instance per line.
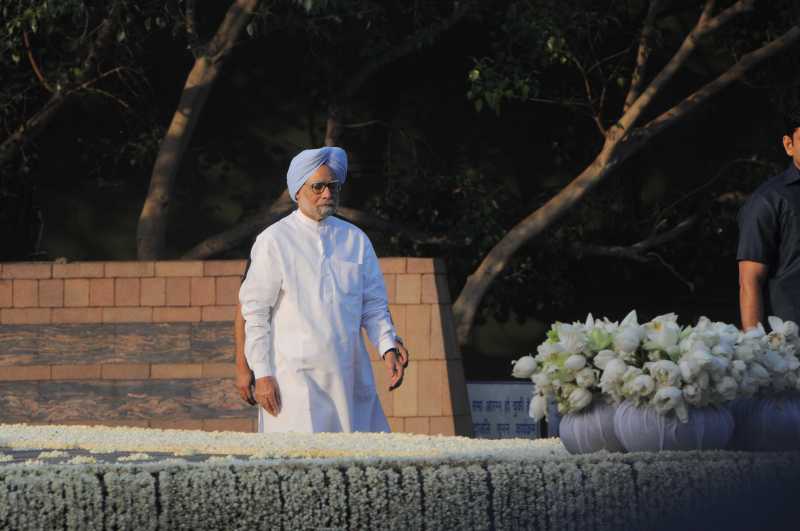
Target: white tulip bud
575,362
538,407
524,367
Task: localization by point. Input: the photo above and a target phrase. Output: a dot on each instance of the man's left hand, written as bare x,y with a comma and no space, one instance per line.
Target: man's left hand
395,368
402,354
245,381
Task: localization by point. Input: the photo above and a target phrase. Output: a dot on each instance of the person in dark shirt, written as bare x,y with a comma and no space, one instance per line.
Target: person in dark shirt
769,241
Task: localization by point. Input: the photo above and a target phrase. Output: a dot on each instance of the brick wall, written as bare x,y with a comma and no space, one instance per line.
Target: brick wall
150,344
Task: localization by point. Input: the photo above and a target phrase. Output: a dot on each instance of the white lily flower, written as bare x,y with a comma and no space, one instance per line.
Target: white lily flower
663,332
692,394
631,319
627,339
579,398
784,328
547,351
586,378
667,399
603,357
775,340
639,387
774,362
759,373
727,388
571,338
614,371
523,367
703,324
746,351
575,362
748,386
665,372
723,348
702,381
701,352
631,373
551,372
719,365
542,384
538,407
689,368
754,332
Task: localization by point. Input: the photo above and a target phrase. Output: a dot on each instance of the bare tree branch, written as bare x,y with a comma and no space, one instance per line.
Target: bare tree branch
91,82
251,226
705,26
228,32
105,36
734,73
34,65
638,250
711,181
243,230
587,85
369,221
708,10
115,99
642,55
689,284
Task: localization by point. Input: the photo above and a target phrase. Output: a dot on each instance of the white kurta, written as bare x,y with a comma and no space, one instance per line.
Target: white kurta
310,289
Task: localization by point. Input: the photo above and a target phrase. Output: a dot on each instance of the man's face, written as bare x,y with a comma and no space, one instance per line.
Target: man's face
317,198
792,146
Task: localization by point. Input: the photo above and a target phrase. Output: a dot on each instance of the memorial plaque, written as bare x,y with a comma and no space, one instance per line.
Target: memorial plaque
500,410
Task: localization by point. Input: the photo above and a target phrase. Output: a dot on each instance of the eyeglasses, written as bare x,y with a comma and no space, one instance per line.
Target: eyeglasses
318,187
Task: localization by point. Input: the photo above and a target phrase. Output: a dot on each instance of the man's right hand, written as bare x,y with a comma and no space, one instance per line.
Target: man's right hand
268,395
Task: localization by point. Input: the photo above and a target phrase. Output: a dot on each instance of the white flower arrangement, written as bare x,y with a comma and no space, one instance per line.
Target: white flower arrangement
767,363
659,363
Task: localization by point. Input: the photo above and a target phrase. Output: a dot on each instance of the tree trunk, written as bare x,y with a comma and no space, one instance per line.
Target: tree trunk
466,305
621,143
150,235
241,231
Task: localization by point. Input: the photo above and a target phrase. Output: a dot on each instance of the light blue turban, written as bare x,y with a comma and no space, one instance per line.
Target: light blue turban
308,161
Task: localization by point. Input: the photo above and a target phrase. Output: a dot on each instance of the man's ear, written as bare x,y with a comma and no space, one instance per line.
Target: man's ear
788,145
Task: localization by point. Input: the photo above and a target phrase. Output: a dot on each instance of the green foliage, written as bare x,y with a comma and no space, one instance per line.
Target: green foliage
56,65
535,39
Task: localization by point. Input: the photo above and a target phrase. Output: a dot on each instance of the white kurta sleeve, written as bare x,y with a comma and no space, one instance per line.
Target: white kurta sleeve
258,295
375,317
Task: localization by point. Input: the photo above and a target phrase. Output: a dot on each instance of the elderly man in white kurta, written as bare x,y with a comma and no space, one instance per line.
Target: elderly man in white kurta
314,282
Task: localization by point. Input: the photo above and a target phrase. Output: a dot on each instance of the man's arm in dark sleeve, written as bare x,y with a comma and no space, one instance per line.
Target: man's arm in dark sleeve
757,249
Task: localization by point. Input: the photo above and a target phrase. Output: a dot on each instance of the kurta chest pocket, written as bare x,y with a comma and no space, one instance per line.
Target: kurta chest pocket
347,278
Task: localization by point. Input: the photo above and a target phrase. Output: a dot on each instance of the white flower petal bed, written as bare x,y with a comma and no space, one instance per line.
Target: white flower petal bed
325,446
369,481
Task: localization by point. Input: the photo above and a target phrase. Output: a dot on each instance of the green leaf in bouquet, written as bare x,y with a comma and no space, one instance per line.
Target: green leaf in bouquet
599,340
